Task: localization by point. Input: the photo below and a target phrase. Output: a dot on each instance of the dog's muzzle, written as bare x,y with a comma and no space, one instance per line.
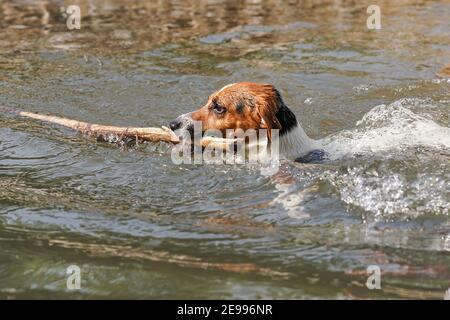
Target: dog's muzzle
182,124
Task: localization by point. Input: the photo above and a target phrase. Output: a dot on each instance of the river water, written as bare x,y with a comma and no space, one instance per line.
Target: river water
139,226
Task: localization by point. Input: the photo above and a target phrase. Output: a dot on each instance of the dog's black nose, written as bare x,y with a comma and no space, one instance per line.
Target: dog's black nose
175,124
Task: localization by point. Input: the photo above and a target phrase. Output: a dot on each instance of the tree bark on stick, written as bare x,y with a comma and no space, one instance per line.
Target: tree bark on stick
147,134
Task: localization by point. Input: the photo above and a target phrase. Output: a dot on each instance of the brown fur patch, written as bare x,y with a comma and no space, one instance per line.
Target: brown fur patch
248,105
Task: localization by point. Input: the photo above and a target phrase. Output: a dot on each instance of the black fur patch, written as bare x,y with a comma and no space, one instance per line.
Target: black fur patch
284,115
240,106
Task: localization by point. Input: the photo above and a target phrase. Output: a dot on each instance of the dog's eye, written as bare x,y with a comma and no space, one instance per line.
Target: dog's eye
218,108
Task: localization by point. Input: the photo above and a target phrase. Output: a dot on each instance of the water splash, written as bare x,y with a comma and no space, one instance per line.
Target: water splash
389,127
394,164
391,192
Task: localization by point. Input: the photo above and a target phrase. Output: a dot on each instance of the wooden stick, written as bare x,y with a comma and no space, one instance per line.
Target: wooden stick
147,134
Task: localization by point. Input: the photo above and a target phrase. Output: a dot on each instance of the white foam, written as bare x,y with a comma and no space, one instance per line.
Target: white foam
389,183
387,127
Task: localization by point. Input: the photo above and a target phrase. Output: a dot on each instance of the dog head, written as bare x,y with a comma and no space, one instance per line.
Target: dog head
244,105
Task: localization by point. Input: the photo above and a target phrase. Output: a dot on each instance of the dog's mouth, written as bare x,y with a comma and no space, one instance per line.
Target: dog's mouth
183,127
185,134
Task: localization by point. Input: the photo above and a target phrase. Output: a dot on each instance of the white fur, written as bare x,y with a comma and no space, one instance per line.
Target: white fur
295,143
227,86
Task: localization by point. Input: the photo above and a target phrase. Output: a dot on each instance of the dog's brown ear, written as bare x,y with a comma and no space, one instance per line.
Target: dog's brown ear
267,112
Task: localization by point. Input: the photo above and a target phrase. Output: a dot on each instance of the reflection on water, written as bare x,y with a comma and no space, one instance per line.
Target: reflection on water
141,227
